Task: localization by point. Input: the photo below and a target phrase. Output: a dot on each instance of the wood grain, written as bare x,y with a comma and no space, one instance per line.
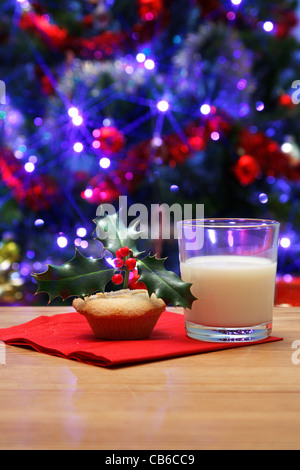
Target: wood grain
245,398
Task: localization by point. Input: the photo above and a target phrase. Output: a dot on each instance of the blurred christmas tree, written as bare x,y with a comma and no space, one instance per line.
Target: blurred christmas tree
165,101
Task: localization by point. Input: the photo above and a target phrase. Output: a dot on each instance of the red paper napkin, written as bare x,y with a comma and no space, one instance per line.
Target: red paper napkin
288,291
68,335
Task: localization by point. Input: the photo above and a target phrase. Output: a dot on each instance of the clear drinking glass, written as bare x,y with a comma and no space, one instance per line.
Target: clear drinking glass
232,265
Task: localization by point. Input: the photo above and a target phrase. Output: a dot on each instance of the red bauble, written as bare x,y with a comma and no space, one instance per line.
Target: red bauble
286,101
268,155
101,191
110,138
42,193
150,9
286,21
197,139
246,170
173,151
47,86
46,83
53,35
38,192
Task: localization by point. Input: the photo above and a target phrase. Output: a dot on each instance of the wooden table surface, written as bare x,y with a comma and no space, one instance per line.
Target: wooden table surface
244,398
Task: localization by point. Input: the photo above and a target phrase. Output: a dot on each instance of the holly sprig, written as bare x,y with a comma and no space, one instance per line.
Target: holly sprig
82,276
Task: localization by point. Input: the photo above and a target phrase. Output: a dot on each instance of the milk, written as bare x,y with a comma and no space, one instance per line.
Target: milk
232,291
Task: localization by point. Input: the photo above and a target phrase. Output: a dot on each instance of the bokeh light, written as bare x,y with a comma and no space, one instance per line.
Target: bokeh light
268,26
62,241
205,109
104,162
78,147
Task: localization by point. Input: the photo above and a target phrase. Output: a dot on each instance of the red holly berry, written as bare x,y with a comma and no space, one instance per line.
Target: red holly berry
123,252
117,279
133,281
118,262
130,263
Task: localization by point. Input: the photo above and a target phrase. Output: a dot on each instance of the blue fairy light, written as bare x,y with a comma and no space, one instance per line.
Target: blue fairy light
39,222
62,241
259,106
162,106
72,112
104,162
149,64
81,232
263,198
78,147
285,242
268,26
140,57
29,167
205,109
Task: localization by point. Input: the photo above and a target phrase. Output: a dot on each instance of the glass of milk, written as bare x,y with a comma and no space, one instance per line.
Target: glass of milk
232,265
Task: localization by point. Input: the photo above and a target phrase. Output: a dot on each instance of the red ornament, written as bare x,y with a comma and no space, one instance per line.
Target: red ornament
38,192
47,86
197,139
51,34
149,10
286,21
88,21
110,138
173,151
218,123
130,263
286,101
104,45
246,170
268,154
117,279
102,190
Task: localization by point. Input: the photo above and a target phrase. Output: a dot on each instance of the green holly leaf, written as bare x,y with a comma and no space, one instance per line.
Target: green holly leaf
113,233
164,284
78,277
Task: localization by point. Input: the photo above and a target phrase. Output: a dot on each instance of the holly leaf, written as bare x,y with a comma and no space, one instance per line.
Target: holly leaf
113,233
164,284
78,277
